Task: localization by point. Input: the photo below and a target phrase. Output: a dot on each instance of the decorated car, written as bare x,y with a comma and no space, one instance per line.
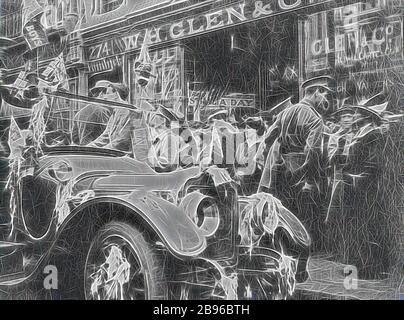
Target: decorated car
115,228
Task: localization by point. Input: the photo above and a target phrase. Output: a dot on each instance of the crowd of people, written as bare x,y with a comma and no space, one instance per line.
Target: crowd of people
323,164
326,167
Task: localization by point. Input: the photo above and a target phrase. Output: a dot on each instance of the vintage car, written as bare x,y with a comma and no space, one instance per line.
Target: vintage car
114,228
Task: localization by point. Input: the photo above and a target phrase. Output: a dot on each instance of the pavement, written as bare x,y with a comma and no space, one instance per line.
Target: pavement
328,280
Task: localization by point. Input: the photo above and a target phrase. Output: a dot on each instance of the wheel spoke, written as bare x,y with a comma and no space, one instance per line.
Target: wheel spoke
116,273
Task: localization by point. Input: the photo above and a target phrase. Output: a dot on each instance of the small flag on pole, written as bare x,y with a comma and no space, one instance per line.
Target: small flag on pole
16,140
20,83
32,28
55,75
143,65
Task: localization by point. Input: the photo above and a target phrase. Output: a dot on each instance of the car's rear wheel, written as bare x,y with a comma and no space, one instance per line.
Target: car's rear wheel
121,265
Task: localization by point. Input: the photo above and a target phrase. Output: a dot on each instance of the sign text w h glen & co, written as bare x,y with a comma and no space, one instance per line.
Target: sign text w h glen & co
234,14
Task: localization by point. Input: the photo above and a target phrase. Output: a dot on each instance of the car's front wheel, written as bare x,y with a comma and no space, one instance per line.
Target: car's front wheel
122,265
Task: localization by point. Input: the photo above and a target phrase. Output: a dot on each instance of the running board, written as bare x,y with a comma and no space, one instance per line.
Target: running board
13,279
8,247
20,268
11,245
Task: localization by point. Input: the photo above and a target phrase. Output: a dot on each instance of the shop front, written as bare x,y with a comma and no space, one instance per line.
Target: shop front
244,69
257,52
242,55
359,43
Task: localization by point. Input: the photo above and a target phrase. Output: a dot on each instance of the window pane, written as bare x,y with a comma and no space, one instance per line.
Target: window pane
110,5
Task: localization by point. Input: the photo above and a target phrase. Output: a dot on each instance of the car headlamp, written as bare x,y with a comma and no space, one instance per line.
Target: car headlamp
207,217
203,211
61,171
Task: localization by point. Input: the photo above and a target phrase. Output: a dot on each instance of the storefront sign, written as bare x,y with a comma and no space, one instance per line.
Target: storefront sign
104,64
368,40
363,36
231,15
317,42
238,100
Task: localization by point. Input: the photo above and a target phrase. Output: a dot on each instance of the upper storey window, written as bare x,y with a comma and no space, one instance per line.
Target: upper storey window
55,11
105,6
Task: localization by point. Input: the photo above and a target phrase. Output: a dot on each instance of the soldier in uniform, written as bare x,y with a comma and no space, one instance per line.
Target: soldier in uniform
293,169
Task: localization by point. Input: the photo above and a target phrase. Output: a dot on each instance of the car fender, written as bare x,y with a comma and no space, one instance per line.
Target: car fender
177,232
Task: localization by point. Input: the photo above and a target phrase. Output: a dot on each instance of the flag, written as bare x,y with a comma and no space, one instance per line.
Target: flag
14,132
7,109
20,83
16,140
55,75
32,28
38,123
143,65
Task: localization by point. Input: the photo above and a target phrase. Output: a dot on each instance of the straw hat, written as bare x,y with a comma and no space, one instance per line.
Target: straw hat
366,111
122,89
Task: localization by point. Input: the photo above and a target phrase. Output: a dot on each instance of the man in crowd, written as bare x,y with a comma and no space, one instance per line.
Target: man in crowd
101,126
293,146
357,223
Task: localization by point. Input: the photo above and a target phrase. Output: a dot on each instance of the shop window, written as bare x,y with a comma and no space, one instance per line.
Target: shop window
357,42
72,6
241,70
10,18
105,6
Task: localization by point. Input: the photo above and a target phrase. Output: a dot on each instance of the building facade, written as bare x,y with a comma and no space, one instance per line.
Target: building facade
207,54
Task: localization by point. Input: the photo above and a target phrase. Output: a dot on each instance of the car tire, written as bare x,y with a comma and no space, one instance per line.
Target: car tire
130,260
